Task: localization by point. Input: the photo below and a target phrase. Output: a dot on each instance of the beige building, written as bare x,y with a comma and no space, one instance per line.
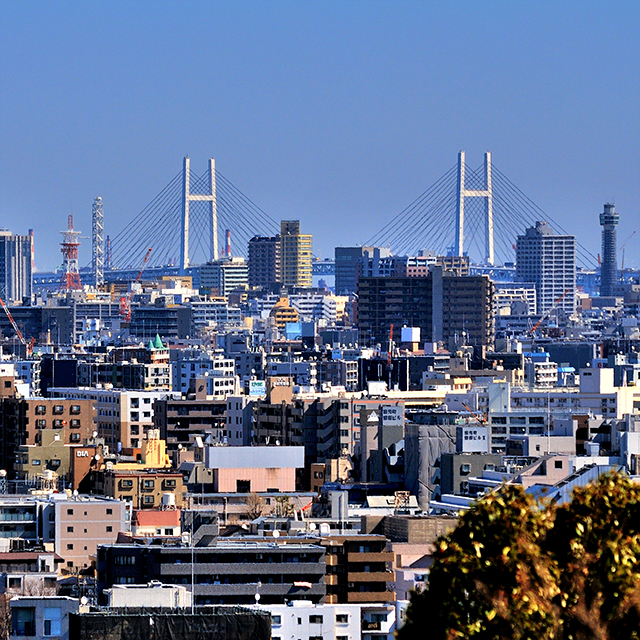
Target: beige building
77,525
295,255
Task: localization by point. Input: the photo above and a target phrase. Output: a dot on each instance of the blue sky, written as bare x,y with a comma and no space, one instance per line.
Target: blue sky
336,113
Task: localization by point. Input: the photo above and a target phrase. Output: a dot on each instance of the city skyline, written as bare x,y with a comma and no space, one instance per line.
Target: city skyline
338,116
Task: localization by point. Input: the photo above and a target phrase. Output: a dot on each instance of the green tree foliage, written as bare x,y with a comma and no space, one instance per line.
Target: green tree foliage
516,569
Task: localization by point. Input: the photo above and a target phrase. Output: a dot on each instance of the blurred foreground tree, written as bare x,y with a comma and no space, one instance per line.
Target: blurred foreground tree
518,569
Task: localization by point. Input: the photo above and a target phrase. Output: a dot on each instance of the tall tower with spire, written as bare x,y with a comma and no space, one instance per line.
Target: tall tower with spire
609,270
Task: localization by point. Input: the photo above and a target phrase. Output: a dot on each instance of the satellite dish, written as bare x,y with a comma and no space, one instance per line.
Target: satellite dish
84,601
95,434
97,457
276,534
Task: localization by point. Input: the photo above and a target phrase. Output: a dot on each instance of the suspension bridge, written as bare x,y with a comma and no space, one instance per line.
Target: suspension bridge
470,211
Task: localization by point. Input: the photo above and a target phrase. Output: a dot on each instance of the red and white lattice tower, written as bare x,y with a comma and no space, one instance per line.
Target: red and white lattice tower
71,275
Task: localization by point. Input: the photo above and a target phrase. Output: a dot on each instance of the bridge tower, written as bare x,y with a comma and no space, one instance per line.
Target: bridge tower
187,198
487,194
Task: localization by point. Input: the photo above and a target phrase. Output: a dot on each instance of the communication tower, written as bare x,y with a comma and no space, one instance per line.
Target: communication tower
71,274
97,242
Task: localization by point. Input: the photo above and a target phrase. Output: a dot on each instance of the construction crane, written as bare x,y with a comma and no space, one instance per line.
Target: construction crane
27,345
549,311
622,248
125,301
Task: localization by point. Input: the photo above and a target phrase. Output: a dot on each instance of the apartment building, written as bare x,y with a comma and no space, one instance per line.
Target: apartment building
231,572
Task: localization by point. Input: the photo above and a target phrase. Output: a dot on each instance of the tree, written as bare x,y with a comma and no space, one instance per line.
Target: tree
517,569
254,506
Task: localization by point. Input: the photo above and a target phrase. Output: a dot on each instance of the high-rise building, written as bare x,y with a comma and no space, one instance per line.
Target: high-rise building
609,270
548,261
456,310
264,261
223,276
16,255
349,267
295,255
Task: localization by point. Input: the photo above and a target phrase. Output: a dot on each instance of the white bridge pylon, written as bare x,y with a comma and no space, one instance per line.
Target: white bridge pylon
187,198
487,193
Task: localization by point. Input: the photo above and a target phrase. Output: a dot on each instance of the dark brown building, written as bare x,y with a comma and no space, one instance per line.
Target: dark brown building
456,310
358,569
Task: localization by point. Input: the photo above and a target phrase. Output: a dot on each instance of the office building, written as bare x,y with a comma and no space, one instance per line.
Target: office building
264,261
16,258
221,277
609,271
548,260
349,265
295,255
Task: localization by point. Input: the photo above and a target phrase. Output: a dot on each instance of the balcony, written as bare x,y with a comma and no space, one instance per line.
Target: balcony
371,576
371,596
331,560
331,580
379,556
251,568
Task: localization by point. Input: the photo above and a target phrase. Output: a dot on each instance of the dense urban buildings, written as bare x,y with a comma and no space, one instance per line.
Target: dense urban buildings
235,436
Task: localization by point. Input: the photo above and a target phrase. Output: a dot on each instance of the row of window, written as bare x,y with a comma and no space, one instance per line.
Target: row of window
74,423
58,409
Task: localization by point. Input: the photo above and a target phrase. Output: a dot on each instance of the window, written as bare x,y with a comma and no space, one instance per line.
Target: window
41,424
109,528
75,423
109,512
14,583
315,619
558,464
243,486
149,484
58,409
378,617
24,621
74,437
75,409
70,547
69,529
41,410
148,499
58,424
36,463
276,620
52,621
69,512
342,618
